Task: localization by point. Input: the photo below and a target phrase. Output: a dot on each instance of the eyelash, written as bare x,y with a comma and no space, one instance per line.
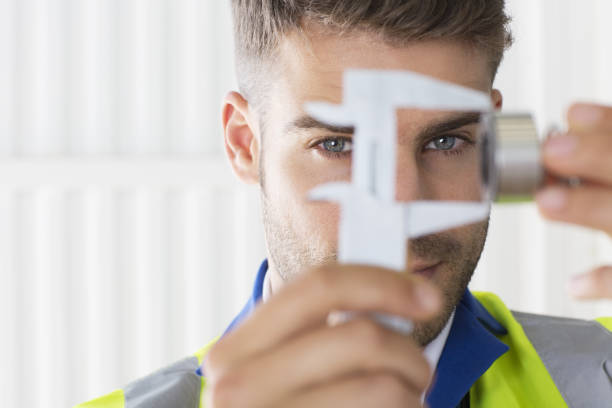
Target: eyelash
333,155
458,152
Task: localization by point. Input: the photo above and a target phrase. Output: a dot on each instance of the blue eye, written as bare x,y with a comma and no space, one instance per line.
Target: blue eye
443,143
336,146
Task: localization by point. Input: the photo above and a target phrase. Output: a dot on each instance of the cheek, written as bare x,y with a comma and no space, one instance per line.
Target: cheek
322,223
459,185
289,177
472,235
468,189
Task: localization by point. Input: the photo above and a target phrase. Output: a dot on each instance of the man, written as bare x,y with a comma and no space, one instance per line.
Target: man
281,351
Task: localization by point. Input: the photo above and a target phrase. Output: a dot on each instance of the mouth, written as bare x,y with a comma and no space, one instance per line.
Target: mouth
426,271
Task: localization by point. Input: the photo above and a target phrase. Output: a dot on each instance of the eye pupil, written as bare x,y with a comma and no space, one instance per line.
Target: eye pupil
334,145
445,142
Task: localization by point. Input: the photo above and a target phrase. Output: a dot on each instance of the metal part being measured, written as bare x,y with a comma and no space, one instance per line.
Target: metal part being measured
517,167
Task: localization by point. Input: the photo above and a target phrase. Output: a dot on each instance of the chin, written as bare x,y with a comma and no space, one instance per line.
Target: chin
452,283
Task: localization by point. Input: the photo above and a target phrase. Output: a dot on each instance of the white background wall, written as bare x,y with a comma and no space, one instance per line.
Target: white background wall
125,242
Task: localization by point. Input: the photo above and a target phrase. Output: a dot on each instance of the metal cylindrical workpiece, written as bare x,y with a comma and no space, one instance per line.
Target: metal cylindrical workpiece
516,159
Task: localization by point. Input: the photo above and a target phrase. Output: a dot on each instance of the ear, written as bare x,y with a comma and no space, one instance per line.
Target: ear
241,138
497,99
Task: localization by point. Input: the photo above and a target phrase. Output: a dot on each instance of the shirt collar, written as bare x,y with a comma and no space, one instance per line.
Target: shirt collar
433,350
267,288
471,348
469,351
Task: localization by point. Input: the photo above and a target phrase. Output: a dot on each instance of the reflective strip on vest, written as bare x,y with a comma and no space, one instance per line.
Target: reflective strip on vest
174,386
577,355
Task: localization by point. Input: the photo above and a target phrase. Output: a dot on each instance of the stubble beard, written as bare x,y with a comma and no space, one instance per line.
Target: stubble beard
459,263
289,252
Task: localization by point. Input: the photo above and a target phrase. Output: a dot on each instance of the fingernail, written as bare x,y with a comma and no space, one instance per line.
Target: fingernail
560,146
579,286
553,199
427,298
585,114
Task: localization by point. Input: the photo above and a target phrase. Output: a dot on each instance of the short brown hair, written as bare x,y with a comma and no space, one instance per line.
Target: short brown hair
260,24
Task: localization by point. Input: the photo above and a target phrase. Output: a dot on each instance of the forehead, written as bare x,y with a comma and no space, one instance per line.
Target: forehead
312,63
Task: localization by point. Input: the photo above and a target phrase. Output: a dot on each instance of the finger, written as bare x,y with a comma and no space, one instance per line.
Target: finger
589,206
586,155
596,284
309,300
589,117
378,390
322,356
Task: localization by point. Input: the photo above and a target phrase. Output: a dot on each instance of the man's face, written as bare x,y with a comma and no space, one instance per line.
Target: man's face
298,154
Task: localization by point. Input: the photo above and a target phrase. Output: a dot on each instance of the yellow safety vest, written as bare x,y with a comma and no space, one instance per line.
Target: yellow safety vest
547,365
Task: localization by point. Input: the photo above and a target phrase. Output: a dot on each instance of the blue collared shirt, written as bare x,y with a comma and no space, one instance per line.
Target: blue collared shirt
471,347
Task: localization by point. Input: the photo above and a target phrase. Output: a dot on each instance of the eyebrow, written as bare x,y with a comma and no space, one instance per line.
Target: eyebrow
431,130
447,124
308,122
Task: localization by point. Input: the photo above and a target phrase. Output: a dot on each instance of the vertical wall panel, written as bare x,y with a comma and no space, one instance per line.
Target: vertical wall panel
530,245
28,351
79,313
193,111
222,257
601,41
200,274
8,53
247,215
151,272
503,229
175,284
42,294
524,94
32,76
9,312
220,34
56,77
158,80
135,69
92,67
101,291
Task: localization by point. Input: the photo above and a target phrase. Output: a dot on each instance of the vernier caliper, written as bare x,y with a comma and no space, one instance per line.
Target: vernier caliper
374,227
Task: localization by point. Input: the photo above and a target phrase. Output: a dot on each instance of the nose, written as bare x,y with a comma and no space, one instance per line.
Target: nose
407,185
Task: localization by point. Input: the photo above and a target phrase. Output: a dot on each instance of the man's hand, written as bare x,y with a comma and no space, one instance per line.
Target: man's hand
584,152
286,355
